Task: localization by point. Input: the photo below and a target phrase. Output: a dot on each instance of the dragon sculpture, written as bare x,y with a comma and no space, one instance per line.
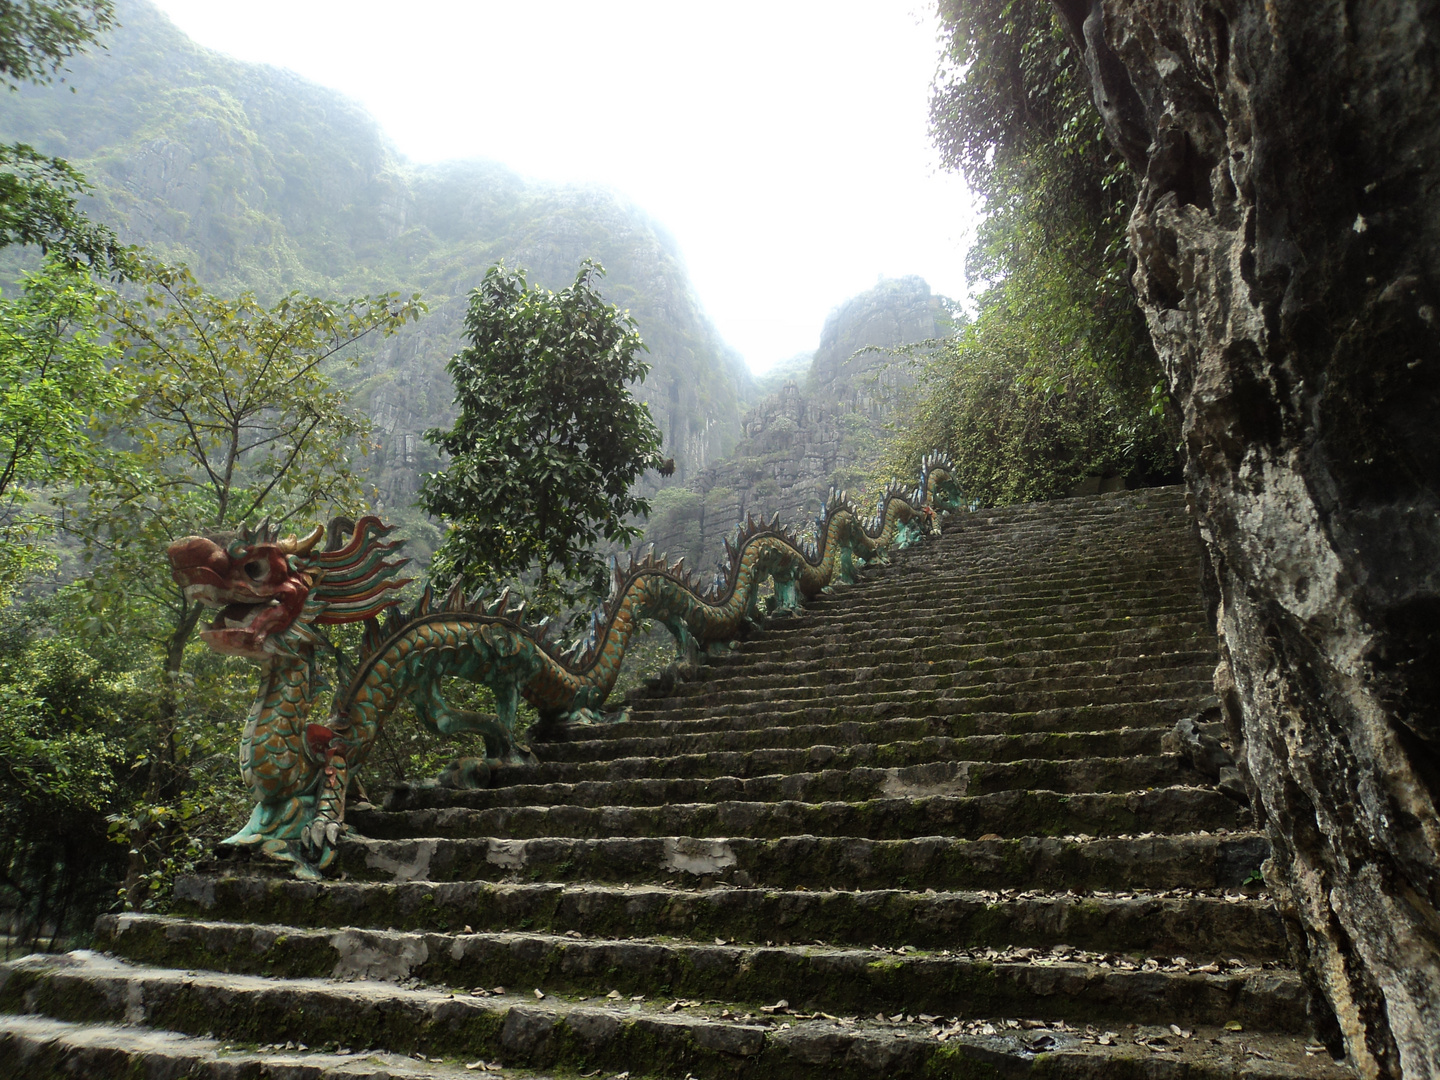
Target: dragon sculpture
274,597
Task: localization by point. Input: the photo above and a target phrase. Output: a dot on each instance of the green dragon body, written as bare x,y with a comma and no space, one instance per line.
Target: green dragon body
275,595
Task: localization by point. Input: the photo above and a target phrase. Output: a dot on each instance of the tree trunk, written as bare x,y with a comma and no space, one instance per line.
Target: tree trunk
1287,256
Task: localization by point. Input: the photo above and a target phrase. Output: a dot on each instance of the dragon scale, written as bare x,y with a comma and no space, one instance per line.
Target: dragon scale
274,596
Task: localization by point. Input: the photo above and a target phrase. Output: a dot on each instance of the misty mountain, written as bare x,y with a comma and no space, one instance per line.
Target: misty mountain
263,181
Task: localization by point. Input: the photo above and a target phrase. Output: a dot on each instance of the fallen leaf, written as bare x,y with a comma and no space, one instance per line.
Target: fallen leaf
1234,1025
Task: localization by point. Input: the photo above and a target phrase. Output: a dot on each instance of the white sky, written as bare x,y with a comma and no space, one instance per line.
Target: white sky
783,143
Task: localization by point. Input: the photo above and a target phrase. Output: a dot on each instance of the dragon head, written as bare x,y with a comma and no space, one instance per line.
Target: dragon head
267,590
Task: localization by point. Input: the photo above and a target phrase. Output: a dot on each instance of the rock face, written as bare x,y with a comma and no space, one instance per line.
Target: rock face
1287,247
814,433
262,181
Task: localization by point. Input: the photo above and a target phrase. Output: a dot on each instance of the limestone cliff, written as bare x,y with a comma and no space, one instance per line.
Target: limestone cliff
811,434
263,181
1287,246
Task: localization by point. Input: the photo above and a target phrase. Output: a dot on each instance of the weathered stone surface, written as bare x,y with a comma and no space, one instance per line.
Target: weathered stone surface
1287,247
812,434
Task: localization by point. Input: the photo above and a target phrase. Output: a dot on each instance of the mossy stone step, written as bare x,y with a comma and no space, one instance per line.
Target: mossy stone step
1201,926
813,978
954,645
1112,687
1125,742
827,727
1012,813
554,1032
726,668
1192,861
38,1048
853,784
1013,606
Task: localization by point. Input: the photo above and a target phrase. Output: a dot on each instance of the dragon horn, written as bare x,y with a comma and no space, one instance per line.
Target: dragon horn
291,546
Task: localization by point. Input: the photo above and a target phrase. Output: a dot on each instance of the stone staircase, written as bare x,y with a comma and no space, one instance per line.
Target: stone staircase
927,829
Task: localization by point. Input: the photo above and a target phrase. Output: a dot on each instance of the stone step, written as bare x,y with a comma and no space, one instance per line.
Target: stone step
885,723
887,594
955,642
1200,926
1194,861
827,785
978,662
1120,686
890,599
1008,813
1062,746
643,1037
992,601
814,977
952,647
863,705
779,633
958,585
970,666
38,1048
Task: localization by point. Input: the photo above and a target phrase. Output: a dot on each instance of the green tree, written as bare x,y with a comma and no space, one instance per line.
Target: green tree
548,440
1055,377
38,36
62,760
232,413
38,193
55,379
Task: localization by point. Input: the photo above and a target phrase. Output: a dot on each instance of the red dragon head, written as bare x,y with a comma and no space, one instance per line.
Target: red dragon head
267,589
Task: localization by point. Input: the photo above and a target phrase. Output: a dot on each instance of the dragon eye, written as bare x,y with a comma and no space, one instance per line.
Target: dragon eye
256,569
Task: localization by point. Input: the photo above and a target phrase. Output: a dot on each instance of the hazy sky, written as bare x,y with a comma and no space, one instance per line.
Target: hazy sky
783,143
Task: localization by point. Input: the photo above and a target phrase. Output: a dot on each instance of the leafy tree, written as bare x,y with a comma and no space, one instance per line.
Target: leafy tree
54,380
38,36
231,414
62,764
38,193
548,441
38,205
1055,377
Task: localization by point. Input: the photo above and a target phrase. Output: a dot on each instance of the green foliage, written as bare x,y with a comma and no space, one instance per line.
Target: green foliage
38,36
1055,378
38,197
549,439
62,769
54,381
38,193
239,395
231,414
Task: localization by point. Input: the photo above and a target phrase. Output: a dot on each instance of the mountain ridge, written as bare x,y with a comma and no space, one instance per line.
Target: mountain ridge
263,181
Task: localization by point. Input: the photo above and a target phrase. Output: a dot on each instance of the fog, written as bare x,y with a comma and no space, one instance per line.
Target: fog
783,144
